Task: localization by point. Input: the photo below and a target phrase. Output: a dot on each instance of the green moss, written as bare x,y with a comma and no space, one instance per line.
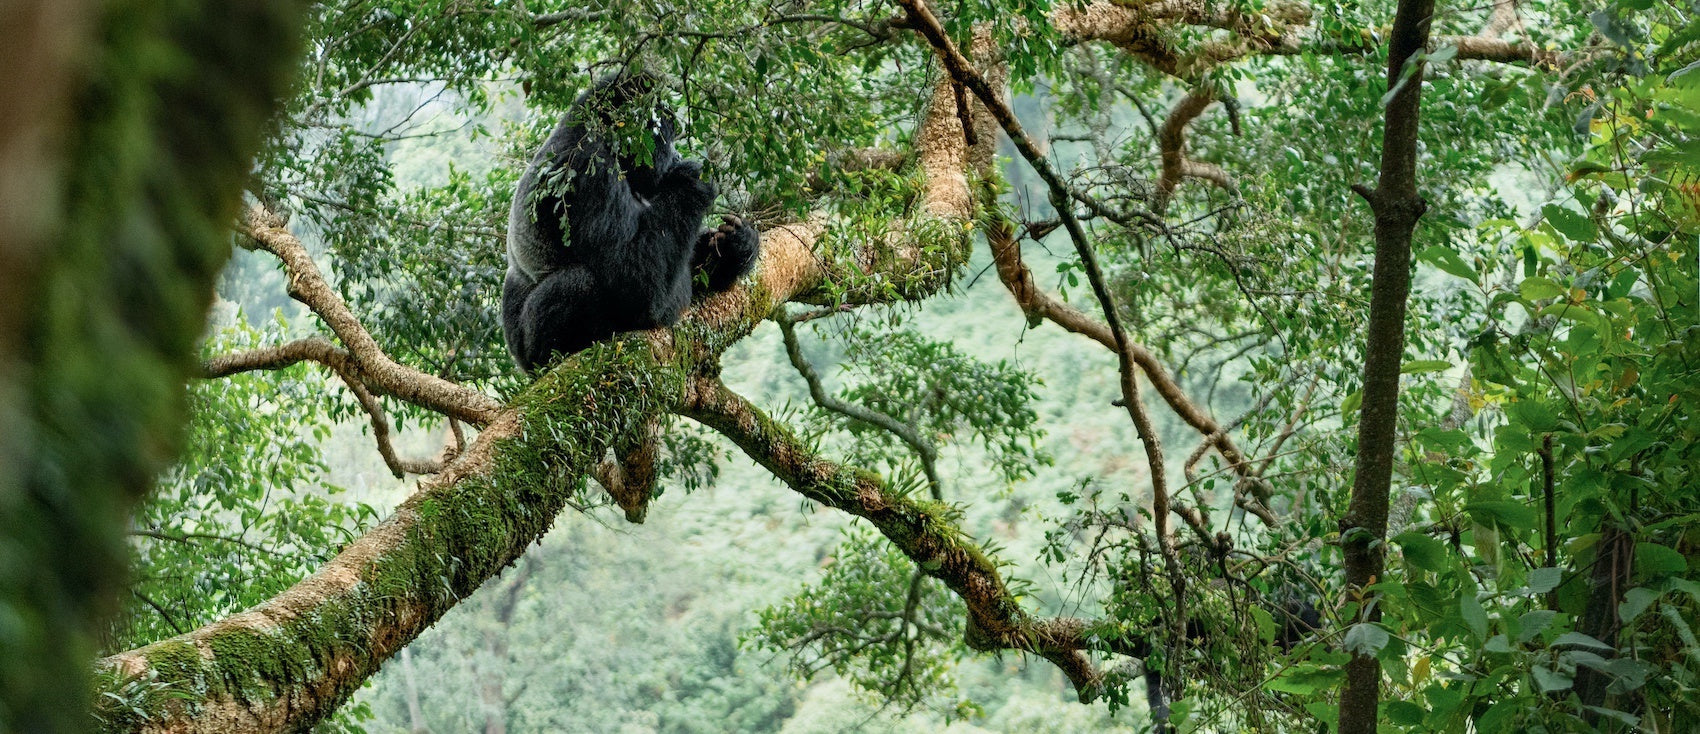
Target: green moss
174,659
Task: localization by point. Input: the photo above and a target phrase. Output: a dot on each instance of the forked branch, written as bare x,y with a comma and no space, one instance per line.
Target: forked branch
309,287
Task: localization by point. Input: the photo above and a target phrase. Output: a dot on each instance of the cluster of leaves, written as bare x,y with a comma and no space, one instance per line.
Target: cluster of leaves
944,394
874,619
245,513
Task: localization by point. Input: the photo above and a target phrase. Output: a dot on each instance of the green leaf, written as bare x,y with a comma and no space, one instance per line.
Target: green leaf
1422,551
1404,713
1582,167
1550,680
1473,615
1534,415
1514,515
1575,312
1448,262
1686,76
1539,288
1571,224
1625,717
1543,580
1307,679
1656,560
1577,639
1534,623
1636,601
1365,639
1351,403
1424,365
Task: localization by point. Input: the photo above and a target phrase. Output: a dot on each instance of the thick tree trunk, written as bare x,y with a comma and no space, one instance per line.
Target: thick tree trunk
113,224
1397,207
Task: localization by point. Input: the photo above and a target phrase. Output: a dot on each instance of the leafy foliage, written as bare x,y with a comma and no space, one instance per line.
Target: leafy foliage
873,619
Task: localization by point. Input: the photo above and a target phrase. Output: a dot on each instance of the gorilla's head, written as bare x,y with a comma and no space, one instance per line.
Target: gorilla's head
625,108
644,169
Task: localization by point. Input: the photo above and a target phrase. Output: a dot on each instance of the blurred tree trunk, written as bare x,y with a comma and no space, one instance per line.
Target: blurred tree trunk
125,140
415,715
496,698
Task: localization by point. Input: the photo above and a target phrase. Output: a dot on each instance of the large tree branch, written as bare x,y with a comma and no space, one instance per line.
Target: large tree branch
287,663
1146,30
1172,144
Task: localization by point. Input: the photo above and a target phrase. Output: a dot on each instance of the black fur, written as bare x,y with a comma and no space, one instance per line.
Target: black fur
631,246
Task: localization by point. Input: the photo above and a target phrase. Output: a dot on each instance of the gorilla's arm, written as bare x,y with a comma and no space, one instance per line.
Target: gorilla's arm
649,275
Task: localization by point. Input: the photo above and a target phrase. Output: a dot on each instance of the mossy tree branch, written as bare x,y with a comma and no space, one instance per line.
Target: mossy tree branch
288,663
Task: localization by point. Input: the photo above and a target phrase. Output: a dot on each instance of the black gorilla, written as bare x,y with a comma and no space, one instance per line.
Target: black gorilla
599,242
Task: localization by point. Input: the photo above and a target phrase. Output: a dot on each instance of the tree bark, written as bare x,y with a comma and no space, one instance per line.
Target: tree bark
1397,207
1614,558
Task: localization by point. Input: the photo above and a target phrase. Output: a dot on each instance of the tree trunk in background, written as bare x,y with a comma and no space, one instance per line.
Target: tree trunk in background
496,648
415,715
1397,207
1614,557
126,137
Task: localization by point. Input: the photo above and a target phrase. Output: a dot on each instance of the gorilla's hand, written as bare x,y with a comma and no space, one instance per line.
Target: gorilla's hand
729,223
685,170
684,185
726,253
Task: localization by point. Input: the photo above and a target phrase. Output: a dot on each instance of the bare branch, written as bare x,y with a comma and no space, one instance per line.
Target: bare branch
406,383
311,349
545,20
1172,143
343,364
1146,30
381,431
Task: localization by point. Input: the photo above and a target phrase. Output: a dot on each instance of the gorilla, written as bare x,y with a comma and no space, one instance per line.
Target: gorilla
604,234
